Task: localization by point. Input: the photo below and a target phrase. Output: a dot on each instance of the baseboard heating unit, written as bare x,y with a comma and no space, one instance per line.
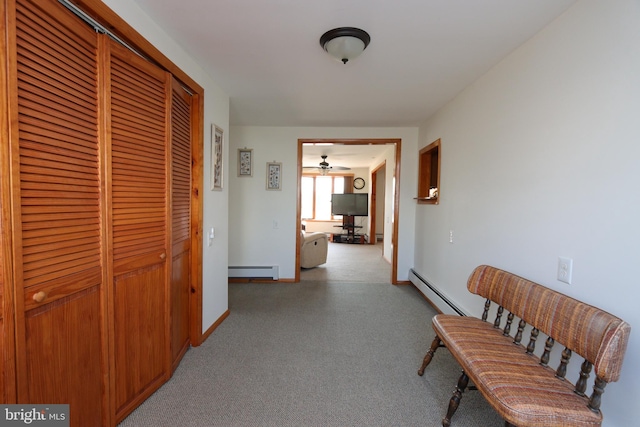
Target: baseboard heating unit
434,295
255,272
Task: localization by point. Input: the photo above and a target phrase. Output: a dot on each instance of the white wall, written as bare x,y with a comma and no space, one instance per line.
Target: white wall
540,159
216,110
253,210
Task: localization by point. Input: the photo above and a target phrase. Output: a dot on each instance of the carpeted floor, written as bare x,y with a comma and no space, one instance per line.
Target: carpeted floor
316,353
351,263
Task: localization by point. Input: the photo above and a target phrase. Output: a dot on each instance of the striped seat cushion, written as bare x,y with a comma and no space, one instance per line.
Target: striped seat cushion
521,390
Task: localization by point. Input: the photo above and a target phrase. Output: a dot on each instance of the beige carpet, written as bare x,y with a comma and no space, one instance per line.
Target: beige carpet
317,354
351,263
333,352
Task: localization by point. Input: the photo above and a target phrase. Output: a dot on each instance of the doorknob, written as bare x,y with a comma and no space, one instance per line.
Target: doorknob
163,255
39,296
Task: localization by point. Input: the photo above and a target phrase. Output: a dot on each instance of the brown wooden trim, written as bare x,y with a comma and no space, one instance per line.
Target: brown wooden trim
168,248
373,185
425,171
215,325
197,179
299,212
8,359
13,201
364,141
396,216
108,291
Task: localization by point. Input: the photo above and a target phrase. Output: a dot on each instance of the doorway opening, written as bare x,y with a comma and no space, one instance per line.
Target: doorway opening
385,177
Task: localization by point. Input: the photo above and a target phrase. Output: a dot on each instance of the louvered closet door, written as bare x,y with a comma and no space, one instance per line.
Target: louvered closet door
139,121
57,246
181,220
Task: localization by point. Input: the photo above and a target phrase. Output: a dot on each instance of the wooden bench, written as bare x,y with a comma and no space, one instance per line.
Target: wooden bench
521,387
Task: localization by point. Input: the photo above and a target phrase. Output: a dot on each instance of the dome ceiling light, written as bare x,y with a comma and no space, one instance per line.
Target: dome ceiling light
345,43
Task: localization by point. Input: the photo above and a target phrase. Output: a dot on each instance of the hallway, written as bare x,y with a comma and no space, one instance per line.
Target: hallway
351,263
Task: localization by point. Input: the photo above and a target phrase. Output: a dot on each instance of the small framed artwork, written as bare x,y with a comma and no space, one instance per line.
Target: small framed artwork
245,162
217,146
274,176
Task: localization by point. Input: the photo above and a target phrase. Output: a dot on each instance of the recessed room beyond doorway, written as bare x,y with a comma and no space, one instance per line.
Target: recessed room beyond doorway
370,154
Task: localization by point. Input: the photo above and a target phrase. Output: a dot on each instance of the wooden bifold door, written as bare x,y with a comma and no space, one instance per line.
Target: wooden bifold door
58,258
96,210
137,199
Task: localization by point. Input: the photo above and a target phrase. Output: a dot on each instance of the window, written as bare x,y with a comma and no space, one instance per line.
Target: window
316,196
429,174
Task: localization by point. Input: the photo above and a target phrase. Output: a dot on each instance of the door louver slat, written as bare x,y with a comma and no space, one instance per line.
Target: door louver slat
138,109
59,182
181,168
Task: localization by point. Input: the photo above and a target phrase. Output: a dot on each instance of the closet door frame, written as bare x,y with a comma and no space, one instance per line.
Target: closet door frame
7,338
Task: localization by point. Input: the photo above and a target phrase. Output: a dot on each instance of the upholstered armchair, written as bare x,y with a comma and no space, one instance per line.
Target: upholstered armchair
313,250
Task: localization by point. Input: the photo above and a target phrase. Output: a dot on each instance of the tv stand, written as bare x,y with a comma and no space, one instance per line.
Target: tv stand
351,236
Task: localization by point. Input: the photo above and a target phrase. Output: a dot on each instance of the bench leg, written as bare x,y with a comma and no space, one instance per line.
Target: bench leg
427,358
463,381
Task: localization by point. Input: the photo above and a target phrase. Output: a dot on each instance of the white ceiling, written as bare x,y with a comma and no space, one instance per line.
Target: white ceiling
267,57
352,156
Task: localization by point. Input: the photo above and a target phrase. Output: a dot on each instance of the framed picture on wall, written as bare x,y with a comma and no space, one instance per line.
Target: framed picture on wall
274,176
245,162
217,147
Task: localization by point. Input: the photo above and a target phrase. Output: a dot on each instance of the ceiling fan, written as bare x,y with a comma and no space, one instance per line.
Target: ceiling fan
324,168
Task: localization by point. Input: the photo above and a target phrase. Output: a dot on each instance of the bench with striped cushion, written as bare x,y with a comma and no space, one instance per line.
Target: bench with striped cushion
521,387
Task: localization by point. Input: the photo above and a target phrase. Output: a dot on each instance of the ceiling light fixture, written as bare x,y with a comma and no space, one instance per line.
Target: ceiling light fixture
345,43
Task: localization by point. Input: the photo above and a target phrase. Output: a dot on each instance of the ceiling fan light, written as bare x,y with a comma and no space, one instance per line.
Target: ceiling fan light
345,43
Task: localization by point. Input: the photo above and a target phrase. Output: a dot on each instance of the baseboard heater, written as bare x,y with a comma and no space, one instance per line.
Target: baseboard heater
255,272
433,294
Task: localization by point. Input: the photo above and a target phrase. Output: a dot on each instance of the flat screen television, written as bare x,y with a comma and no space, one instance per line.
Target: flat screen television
353,204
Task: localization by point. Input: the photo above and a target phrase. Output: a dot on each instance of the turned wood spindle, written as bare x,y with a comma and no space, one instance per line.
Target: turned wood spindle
562,369
463,381
596,396
544,359
427,358
496,323
518,337
585,372
507,327
532,342
485,313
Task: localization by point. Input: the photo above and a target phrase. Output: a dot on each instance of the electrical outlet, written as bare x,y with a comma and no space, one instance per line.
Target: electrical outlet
450,236
565,269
